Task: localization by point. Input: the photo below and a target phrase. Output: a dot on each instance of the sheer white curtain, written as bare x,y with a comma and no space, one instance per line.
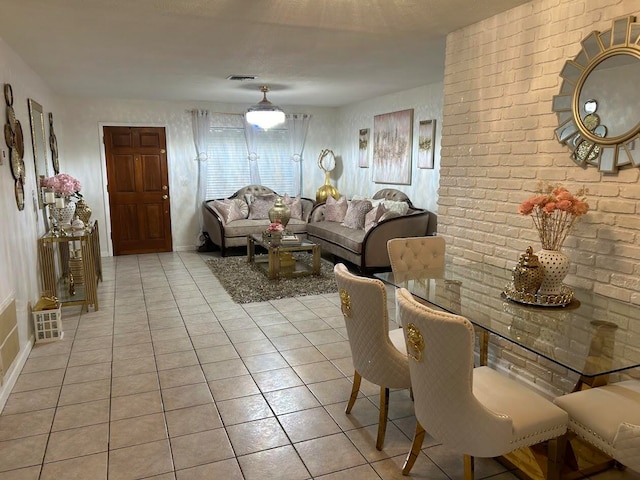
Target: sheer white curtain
201,125
250,134
298,126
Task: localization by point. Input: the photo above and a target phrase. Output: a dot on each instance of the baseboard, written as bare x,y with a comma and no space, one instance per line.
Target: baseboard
11,376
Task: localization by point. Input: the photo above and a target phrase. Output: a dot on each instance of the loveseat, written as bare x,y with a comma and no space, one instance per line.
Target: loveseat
364,243
228,221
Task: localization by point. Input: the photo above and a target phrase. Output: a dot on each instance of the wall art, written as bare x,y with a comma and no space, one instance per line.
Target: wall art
426,143
392,146
363,148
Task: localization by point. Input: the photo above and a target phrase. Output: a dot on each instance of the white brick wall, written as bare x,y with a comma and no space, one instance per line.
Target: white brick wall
498,143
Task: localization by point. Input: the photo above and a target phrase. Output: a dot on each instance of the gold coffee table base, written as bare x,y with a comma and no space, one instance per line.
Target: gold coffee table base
279,261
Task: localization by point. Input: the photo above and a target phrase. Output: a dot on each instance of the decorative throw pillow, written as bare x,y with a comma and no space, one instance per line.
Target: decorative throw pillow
373,216
242,205
387,215
228,210
374,201
356,211
295,204
336,209
401,207
259,208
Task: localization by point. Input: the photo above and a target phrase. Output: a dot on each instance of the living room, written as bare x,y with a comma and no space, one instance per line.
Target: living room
497,143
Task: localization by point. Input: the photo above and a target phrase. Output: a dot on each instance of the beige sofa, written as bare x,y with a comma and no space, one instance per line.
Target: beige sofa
234,233
368,249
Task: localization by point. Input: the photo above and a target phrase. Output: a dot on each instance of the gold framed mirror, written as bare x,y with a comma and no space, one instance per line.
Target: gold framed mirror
598,107
39,144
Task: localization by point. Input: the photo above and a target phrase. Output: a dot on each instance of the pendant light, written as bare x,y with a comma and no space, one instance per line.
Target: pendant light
265,114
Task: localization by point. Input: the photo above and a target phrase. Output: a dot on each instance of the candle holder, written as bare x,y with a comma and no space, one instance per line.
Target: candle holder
49,201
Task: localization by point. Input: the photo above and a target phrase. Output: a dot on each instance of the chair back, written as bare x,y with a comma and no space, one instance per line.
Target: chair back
416,253
440,350
364,306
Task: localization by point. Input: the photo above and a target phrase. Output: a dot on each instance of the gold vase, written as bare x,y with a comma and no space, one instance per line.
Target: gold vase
280,212
327,189
83,211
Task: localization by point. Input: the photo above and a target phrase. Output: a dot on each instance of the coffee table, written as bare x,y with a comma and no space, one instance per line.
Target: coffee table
279,261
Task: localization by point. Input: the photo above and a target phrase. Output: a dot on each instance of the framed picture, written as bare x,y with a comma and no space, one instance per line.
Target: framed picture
392,146
363,148
426,139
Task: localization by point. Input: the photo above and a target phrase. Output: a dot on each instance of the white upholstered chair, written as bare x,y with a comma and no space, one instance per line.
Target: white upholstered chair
609,418
475,412
378,355
416,253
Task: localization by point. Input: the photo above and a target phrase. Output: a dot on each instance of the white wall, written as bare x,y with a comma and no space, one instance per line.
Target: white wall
20,230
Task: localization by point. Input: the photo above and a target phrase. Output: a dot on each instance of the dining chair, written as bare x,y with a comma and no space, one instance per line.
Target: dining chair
378,354
416,253
476,412
609,418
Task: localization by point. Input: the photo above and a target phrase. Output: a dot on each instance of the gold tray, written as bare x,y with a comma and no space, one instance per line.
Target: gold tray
560,300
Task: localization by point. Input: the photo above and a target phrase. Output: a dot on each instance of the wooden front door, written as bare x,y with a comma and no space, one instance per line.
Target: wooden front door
138,186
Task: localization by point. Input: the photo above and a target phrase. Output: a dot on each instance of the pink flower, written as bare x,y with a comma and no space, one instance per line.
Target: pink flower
580,208
276,227
564,205
549,207
62,184
526,207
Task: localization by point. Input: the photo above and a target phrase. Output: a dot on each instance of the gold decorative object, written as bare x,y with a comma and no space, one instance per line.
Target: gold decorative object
280,212
415,342
345,302
527,274
564,297
83,211
327,162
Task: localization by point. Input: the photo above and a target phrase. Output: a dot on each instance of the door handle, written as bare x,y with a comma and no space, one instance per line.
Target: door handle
164,197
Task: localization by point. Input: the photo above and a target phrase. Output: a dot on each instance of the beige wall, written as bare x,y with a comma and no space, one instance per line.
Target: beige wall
498,143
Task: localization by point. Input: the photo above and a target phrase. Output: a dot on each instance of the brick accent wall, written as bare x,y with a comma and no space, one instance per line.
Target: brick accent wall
498,143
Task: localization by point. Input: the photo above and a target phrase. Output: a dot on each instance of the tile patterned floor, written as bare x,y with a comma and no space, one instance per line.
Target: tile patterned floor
171,380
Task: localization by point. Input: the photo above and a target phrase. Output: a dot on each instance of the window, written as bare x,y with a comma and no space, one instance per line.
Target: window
228,166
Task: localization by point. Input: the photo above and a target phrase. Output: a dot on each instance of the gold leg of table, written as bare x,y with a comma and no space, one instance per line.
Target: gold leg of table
316,259
484,346
251,249
274,263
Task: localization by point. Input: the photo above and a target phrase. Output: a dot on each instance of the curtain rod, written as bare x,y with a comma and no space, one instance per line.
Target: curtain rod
216,113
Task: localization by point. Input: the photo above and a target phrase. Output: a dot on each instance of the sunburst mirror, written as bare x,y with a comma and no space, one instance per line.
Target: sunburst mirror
598,107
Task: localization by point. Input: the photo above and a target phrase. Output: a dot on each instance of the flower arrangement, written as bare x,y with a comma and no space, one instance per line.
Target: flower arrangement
275,227
63,184
554,211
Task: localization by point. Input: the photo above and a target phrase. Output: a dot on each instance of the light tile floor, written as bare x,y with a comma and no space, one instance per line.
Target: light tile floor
171,380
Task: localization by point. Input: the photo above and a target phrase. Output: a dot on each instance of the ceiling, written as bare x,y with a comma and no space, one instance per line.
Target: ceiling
309,52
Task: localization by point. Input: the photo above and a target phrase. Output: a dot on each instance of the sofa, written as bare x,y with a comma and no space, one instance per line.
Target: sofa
228,221
366,247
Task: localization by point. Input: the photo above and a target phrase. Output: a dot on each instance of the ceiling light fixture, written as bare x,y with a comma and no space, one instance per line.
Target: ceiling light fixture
265,114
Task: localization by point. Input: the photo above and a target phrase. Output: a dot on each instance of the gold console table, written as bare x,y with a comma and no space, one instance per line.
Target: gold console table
71,265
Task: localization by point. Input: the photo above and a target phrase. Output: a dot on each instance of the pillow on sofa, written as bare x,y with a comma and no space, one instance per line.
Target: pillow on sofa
374,201
401,207
388,214
295,204
260,206
335,209
373,216
356,211
229,210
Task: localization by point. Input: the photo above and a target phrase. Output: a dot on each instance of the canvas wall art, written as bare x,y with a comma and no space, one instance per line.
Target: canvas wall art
392,146
363,148
426,143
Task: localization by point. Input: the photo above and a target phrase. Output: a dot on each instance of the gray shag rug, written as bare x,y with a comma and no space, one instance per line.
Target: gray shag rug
246,282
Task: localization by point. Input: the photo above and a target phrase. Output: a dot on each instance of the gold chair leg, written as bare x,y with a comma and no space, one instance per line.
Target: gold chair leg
354,392
382,418
469,467
418,438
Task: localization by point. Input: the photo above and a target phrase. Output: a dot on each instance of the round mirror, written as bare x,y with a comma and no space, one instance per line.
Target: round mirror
598,107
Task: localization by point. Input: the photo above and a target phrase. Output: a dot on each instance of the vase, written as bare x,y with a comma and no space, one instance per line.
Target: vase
64,215
83,211
528,273
555,266
280,212
327,190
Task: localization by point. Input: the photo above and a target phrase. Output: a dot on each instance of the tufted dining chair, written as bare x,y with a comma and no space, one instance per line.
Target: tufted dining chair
476,412
609,418
416,253
379,355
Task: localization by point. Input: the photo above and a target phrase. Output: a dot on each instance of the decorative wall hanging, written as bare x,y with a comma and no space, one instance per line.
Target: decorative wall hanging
604,76
53,145
363,148
392,146
426,143
36,116
327,162
15,142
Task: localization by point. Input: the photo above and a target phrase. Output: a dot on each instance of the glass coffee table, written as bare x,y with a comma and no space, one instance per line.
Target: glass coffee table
279,262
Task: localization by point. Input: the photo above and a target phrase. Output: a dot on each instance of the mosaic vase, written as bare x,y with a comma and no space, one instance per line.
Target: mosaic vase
555,266
64,215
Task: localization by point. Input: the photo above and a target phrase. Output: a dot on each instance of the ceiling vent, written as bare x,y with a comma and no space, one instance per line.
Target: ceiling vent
241,78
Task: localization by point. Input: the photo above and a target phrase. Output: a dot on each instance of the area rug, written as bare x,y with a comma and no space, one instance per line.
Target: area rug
246,282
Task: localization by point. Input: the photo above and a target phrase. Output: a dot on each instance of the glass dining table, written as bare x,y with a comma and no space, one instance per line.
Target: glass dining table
593,336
